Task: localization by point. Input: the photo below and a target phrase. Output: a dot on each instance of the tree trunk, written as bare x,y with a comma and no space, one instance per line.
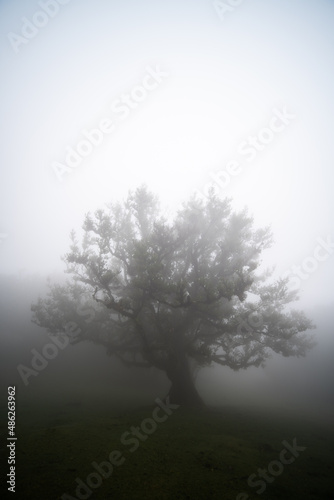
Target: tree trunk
183,391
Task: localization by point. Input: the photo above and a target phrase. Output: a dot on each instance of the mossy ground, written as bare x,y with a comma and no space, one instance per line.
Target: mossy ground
206,455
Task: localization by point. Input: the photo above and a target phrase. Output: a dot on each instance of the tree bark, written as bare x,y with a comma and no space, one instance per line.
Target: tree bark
183,391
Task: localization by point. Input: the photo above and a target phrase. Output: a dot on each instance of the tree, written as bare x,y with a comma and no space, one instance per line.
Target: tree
168,293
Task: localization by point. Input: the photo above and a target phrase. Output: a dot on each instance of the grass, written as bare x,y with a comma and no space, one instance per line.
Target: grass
207,455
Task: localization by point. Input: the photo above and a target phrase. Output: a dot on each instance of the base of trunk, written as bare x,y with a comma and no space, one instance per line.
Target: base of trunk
185,395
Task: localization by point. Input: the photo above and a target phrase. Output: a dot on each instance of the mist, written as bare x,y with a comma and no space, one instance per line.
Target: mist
84,373
104,104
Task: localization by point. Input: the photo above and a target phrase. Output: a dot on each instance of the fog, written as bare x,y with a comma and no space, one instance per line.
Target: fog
83,374
100,98
223,77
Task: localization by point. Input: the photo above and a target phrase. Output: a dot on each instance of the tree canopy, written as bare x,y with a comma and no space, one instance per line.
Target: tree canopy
162,292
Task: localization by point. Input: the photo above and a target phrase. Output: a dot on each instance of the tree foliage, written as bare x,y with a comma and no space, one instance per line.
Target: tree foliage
163,292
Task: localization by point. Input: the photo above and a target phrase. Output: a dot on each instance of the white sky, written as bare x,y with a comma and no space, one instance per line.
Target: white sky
225,78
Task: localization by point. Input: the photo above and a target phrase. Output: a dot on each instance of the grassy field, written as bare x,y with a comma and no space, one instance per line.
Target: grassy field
207,455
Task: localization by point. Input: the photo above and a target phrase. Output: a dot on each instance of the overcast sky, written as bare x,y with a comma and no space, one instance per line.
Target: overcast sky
187,93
